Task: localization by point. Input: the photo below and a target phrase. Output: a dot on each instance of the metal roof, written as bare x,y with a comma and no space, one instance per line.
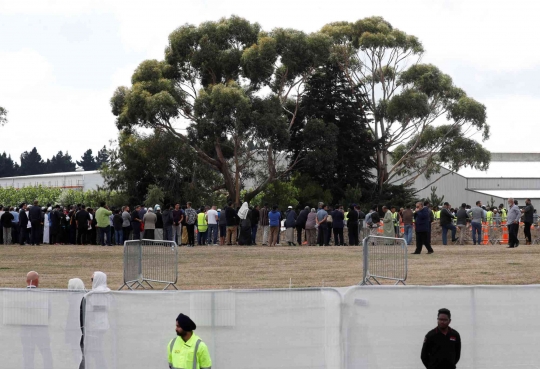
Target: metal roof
499,169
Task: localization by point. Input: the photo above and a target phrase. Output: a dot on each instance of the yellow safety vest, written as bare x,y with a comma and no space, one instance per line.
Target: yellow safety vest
489,216
503,214
192,354
437,214
202,224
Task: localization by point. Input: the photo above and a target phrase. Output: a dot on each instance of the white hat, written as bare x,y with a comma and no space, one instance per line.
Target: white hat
218,209
290,207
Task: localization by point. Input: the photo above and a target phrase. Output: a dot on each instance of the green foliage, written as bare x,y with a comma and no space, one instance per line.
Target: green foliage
154,196
60,163
88,162
406,100
311,192
433,199
8,168
49,195
280,193
31,163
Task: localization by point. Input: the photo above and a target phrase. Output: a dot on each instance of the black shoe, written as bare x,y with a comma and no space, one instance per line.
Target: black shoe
510,247
517,244
415,253
455,240
430,252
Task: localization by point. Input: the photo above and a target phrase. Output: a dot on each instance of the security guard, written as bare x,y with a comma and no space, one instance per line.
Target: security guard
489,216
189,351
442,346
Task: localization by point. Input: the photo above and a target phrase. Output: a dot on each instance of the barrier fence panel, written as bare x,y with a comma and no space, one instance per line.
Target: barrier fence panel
384,258
242,329
148,261
384,327
40,328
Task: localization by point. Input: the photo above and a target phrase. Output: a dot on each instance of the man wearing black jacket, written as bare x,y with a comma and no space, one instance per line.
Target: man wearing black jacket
255,217
301,224
136,223
352,225
442,345
446,224
34,216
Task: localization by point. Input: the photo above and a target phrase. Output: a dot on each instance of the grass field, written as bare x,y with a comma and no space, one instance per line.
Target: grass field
265,267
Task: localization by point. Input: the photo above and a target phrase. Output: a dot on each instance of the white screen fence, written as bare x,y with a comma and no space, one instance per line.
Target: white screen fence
357,327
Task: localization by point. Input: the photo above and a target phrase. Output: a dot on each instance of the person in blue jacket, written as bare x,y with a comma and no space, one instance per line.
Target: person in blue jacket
274,218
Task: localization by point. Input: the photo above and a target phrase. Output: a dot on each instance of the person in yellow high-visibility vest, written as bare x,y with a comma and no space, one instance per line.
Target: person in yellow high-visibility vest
489,216
503,212
189,351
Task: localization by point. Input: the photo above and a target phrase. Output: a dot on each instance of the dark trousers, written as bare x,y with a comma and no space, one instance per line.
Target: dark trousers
81,236
254,234
149,234
167,233
105,231
191,234
445,228
527,231
125,231
476,230
328,234
353,234
136,230
23,236
422,238
513,235
338,237
322,234
72,235
299,231
36,232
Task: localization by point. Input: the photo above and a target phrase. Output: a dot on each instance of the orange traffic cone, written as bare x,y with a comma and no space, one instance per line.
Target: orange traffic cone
486,237
505,235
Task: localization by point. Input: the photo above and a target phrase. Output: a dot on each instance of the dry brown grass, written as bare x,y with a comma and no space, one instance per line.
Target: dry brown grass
264,267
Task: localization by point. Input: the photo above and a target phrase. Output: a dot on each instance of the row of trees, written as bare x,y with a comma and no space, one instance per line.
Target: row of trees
33,163
345,112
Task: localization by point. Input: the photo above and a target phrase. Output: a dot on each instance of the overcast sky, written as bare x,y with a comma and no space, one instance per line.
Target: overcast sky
60,61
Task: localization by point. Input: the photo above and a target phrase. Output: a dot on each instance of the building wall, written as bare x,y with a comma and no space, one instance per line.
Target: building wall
503,183
75,180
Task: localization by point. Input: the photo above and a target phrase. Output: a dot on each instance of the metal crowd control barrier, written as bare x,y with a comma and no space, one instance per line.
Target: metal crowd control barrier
148,261
384,258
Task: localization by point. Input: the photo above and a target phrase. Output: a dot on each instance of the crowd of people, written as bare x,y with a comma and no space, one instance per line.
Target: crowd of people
210,225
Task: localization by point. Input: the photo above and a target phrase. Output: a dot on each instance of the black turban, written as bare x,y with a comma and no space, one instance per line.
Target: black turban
186,323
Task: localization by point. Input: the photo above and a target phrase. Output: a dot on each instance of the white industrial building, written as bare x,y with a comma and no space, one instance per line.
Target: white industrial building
81,180
515,175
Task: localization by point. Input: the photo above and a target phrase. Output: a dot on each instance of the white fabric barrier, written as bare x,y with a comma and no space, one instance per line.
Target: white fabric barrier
40,329
384,327
358,327
243,329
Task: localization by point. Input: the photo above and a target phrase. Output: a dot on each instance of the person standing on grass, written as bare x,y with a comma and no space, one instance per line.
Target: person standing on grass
178,217
274,219
82,222
462,219
322,215
446,218
423,225
512,219
290,223
255,218
442,345
301,224
202,227
35,216
230,218
103,223
528,219
407,217
352,225
136,223
167,223
388,223
264,224
126,223
212,220
149,220
338,223
222,225
478,215
117,225
5,220
191,220
311,229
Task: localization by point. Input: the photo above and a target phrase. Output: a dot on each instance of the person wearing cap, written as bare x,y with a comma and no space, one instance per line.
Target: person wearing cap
189,351
446,218
442,345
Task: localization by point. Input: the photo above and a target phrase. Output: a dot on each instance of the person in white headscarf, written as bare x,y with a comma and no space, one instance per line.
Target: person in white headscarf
243,212
74,334
96,307
245,226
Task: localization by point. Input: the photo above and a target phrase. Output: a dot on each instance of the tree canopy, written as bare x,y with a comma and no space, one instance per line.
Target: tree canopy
416,109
